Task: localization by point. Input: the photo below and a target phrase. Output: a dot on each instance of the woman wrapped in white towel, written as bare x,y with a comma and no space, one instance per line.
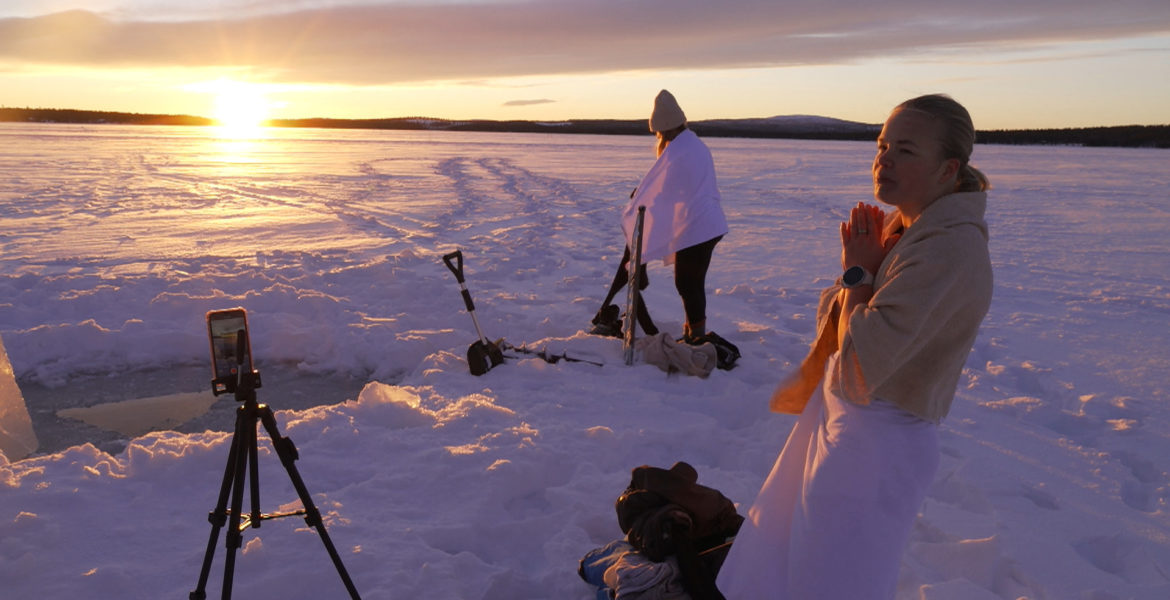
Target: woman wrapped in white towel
684,218
834,515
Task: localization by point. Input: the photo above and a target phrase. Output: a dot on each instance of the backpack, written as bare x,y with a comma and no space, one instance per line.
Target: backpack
666,512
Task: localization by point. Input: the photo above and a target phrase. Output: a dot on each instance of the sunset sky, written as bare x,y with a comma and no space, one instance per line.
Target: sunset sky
1014,63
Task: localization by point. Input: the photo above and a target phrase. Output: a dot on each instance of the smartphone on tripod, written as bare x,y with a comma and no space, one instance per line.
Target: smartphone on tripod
231,365
231,351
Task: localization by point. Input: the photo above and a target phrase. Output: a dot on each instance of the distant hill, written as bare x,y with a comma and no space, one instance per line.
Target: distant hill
789,127
803,127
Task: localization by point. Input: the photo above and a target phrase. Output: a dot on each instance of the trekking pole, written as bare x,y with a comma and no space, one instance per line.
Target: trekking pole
549,358
633,295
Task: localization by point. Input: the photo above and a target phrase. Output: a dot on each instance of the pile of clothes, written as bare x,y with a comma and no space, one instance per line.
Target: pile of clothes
677,534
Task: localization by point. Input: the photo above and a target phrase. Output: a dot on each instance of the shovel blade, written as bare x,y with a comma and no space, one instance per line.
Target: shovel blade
481,357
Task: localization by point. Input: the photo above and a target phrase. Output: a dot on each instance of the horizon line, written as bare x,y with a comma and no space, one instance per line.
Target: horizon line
268,122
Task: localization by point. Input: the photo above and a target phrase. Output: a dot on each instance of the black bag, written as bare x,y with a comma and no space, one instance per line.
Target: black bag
665,512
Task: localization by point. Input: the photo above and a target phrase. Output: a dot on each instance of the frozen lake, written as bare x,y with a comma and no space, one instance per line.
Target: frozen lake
113,238
114,242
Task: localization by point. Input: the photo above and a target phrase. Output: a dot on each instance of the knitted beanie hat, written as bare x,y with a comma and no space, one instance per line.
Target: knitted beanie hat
667,114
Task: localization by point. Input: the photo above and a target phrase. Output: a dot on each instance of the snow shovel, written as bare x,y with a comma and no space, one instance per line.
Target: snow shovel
483,354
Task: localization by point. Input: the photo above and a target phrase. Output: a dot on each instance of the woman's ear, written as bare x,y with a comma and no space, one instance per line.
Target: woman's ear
950,170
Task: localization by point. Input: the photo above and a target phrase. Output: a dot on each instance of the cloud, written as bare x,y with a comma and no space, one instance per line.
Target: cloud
397,43
529,102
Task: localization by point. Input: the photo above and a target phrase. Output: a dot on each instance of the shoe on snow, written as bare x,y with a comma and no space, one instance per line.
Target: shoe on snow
607,322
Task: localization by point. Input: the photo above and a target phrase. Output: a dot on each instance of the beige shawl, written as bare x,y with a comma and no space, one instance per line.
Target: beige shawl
909,343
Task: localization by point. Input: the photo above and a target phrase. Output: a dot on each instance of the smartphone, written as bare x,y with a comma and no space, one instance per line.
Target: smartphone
231,350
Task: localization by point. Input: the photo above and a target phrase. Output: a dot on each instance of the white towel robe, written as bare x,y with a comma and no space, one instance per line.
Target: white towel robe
834,516
681,198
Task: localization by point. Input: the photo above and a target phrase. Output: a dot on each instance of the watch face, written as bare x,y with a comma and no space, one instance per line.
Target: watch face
853,276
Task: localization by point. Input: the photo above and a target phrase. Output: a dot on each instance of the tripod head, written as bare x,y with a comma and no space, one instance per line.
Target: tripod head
246,386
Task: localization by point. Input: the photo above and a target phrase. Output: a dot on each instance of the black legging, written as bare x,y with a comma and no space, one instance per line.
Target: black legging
690,278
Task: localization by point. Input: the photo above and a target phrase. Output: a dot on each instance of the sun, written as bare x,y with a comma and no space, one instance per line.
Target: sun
240,108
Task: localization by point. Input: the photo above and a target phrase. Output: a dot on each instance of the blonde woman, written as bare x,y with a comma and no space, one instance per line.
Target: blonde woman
834,515
684,221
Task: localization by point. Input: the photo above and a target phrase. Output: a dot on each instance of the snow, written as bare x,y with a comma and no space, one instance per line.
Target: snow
438,484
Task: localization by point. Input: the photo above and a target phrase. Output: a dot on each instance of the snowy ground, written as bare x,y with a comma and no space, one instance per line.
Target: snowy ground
114,242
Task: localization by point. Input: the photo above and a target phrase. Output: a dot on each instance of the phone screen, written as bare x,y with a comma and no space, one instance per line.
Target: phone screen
230,348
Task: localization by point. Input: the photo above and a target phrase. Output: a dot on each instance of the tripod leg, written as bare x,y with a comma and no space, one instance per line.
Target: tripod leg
254,476
246,434
218,516
288,455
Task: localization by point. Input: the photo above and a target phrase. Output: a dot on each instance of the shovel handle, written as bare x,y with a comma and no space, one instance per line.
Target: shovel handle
457,267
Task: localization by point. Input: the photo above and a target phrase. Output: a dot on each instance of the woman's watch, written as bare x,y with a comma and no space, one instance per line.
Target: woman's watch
856,276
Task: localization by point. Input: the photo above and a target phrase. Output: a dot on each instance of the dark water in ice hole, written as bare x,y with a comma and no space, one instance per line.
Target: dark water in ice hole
284,388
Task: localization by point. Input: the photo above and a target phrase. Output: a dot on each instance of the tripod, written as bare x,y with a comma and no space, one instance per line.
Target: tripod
241,458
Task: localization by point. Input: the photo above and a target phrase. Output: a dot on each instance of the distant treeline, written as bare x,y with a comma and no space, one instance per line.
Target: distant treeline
1149,136
1142,136
65,115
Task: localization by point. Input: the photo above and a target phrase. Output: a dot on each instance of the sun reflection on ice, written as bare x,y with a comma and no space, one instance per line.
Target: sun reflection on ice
236,150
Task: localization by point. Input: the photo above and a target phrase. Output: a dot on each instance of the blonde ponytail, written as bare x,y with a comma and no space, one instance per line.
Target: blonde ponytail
972,180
